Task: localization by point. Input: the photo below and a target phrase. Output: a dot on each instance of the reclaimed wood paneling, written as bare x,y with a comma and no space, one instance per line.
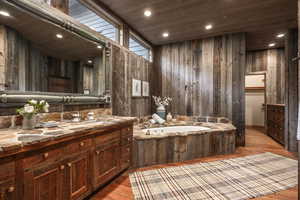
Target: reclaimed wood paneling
291,92
273,63
204,77
125,67
3,57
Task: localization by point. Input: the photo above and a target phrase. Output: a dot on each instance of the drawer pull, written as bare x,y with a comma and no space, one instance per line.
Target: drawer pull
128,139
69,164
81,144
62,167
46,155
11,189
97,152
128,129
127,161
128,149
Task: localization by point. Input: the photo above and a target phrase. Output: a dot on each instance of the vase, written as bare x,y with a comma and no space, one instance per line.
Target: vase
29,123
161,111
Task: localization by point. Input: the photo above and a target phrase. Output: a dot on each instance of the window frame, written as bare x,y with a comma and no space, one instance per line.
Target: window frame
143,43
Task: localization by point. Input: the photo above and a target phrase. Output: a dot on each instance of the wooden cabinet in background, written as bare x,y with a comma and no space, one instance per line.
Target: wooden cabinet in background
275,122
8,190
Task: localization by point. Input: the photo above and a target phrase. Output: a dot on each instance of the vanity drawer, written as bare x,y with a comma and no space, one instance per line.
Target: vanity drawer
78,146
108,138
127,131
126,140
43,157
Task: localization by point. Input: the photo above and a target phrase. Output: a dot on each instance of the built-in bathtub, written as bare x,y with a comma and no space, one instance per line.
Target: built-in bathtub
181,141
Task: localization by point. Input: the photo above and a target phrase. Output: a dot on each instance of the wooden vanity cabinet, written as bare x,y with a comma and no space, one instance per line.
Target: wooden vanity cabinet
106,158
69,170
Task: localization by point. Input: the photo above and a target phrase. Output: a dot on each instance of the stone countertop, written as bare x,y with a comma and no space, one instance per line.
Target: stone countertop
13,140
139,134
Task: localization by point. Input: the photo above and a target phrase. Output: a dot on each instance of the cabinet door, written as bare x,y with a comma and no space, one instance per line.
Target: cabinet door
106,162
44,183
8,190
77,176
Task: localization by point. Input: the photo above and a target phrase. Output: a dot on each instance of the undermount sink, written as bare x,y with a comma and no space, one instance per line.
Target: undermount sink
31,138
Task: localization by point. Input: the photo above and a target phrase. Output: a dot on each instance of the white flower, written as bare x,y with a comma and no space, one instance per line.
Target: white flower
46,107
33,102
42,102
28,108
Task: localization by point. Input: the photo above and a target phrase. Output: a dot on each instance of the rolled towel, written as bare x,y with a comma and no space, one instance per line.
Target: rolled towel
158,119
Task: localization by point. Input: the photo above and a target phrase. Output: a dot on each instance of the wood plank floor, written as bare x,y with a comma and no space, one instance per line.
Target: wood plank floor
256,142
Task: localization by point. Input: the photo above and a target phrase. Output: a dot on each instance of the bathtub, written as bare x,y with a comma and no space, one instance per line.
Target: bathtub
174,129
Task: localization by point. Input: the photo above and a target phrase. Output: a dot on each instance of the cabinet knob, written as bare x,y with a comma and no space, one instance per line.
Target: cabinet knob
97,152
128,139
128,161
81,144
128,129
128,149
62,167
46,155
11,189
69,164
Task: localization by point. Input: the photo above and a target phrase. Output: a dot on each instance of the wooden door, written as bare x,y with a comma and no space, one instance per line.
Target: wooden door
8,190
77,176
44,183
106,162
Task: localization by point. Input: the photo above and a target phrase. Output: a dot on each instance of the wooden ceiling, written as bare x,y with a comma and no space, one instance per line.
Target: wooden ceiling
186,19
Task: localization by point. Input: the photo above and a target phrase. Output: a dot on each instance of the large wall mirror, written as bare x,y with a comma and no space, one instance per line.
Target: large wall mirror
45,51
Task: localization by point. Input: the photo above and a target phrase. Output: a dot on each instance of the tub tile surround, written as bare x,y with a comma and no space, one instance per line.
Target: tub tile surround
219,139
11,139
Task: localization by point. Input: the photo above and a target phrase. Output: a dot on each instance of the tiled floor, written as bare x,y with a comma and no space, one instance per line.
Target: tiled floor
256,142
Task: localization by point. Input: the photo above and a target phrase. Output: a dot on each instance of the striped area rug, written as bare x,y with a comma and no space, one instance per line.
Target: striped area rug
233,179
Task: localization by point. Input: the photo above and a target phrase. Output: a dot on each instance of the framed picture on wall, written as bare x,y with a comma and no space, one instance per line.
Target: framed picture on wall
136,88
145,86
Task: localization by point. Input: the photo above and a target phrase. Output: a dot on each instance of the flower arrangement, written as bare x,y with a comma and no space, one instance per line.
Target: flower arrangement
161,101
32,108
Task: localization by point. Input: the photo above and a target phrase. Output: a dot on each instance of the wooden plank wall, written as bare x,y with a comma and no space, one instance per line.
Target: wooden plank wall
125,67
273,63
291,93
204,77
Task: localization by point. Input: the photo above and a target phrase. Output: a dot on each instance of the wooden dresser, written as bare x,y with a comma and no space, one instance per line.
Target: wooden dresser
275,122
69,169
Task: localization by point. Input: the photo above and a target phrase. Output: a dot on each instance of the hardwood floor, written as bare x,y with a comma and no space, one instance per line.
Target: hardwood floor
256,142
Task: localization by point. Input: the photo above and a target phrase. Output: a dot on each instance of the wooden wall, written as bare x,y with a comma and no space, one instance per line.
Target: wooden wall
273,63
204,77
291,92
125,67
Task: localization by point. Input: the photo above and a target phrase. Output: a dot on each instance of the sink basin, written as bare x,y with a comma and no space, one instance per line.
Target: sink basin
32,138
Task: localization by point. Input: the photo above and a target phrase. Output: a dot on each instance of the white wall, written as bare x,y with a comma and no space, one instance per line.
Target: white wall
255,115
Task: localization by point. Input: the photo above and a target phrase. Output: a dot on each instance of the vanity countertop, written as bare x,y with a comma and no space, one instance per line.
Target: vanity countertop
15,140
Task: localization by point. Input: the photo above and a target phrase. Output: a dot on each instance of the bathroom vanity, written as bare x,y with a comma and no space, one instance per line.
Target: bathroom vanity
69,163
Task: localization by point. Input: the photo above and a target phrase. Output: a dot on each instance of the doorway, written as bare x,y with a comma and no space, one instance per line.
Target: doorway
255,100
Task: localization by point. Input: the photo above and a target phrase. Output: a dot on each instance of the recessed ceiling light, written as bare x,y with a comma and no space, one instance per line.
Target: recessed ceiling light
99,47
4,13
208,26
280,35
272,44
147,13
60,36
165,34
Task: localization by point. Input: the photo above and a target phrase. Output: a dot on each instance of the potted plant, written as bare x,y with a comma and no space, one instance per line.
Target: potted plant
30,112
161,103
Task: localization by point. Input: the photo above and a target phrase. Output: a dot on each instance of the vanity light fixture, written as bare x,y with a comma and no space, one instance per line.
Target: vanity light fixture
99,47
272,44
208,26
90,61
59,36
4,13
165,35
280,35
147,13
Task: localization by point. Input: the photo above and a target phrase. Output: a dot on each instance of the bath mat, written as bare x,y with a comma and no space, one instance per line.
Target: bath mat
233,179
